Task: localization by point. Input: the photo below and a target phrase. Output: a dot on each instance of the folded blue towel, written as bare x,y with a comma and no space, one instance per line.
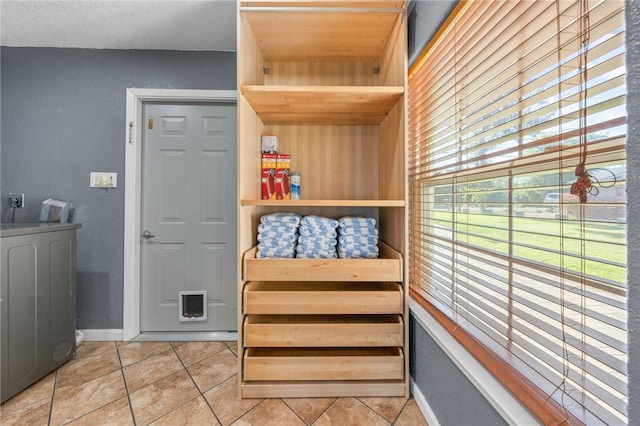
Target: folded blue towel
314,249
282,217
269,244
308,231
277,227
319,241
287,237
318,221
358,247
357,239
357,254
279,252
316,253
352,230
357,221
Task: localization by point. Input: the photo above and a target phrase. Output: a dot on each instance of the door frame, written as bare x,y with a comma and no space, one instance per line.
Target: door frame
133,187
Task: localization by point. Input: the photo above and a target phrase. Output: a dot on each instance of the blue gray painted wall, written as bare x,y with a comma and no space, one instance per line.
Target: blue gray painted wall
424,19
452,397
63,116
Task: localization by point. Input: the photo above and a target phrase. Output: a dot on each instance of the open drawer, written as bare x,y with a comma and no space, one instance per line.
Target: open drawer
388,267
322,330
263,364
269,297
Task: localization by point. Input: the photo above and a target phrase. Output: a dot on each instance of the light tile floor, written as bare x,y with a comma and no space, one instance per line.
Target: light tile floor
182,383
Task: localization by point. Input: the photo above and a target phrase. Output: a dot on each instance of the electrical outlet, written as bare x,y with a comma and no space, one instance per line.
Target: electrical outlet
16,200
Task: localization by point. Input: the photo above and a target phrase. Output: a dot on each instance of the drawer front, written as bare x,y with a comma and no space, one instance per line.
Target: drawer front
323,270
322,298
323,331
368,364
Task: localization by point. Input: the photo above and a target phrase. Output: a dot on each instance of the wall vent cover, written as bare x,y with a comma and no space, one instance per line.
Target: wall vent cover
192,305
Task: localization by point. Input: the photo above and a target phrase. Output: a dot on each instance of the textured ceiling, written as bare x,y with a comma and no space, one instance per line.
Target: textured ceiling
123,24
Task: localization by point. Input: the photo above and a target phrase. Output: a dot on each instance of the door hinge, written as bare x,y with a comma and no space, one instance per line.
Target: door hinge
150,123
131,132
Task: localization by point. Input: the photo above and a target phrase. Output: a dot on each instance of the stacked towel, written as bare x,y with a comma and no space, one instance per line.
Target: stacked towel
317,238
358,238
278,235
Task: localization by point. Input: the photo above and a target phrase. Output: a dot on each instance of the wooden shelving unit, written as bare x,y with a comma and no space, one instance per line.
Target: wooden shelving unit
329,78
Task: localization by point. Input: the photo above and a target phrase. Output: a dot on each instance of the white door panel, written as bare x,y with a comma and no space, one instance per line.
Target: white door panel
189,205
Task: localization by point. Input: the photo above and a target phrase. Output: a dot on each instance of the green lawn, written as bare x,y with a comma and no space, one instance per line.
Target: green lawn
533,238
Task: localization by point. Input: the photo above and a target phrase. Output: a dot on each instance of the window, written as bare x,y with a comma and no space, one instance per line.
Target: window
512,105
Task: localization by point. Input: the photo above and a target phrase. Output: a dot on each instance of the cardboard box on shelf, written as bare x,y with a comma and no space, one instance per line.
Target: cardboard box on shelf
283,180
268,184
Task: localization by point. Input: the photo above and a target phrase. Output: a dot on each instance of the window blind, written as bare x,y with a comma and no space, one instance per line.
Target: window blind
503,106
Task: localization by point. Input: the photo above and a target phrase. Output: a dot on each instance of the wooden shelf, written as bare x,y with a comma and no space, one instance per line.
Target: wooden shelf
388,267
324,203
324,297
323,364
317,389
328,77
336,105
286,30
323,331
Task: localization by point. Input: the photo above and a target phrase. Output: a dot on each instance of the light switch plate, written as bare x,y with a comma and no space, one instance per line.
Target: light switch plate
103,180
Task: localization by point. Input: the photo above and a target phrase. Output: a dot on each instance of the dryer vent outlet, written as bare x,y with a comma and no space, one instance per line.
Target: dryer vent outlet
192,305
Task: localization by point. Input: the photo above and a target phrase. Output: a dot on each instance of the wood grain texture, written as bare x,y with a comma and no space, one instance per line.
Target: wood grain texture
265,297
312,389
328,78
323,364
386,268
335,105
305,35
323,330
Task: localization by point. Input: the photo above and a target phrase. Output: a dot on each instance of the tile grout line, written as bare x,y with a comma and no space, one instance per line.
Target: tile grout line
126,386
200,393
400,412
53,394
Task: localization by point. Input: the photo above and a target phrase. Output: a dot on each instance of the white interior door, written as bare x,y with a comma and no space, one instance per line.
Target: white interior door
188,210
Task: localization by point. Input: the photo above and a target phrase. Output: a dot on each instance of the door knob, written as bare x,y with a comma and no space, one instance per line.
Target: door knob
147,234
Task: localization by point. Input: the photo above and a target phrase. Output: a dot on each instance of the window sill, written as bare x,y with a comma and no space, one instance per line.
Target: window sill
500,398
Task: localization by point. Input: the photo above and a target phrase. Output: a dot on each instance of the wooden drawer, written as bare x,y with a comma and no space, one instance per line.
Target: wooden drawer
388,267
277,297
263,364
322,330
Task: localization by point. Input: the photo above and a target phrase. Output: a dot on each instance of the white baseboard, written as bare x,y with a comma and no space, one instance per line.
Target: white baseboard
110,335
423,405
102,335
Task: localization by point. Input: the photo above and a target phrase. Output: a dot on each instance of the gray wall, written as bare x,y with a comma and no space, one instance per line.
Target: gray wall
452,397
63,116
424,19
